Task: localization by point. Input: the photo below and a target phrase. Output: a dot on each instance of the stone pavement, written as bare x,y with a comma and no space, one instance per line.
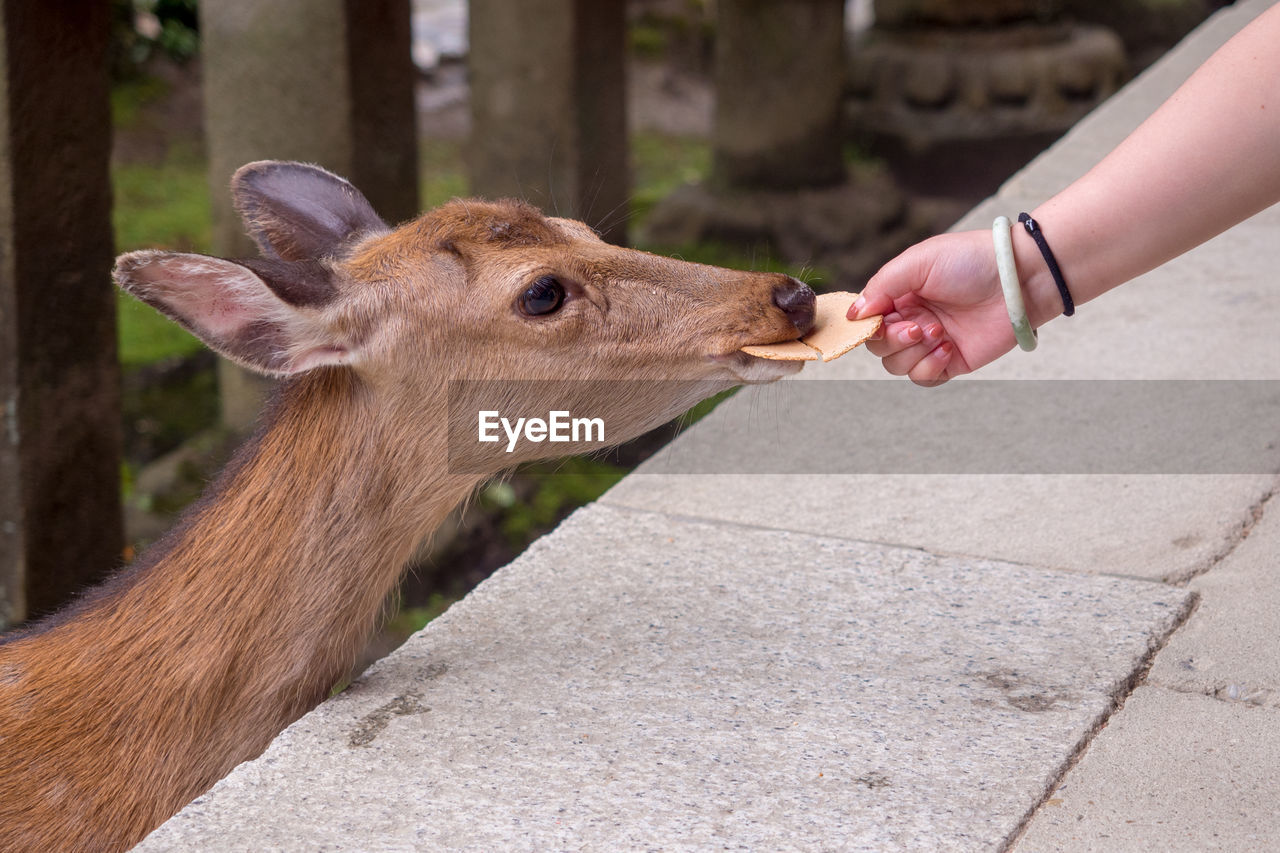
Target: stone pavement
881,662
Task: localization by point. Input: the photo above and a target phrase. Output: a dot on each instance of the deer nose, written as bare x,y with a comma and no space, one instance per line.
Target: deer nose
796,300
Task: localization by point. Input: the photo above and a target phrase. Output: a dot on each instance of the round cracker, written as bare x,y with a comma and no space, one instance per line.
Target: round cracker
833,334
783,351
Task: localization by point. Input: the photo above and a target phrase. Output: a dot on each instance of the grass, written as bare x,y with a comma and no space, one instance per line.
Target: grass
163,206
443,172
130,97
660,164
410,620
554,490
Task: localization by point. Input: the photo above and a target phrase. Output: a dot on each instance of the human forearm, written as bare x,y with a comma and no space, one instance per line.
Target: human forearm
1207,159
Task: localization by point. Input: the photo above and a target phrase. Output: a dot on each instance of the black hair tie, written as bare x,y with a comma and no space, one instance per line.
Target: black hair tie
1033,228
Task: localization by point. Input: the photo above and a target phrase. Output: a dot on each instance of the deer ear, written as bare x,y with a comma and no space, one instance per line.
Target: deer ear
297,212
260,314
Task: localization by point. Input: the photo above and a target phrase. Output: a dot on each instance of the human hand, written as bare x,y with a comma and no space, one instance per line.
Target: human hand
944,310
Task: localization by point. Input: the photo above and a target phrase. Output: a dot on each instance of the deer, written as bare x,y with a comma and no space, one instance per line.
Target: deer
118,710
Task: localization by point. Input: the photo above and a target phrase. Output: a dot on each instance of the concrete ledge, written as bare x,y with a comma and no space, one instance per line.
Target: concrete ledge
636,680
1229,651
1172,771
1156,527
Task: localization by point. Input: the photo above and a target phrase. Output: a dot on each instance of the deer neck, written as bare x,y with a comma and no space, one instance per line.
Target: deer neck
162,680
259,602
316,525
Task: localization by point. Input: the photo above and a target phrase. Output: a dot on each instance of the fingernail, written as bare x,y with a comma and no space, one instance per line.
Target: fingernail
933,331
912,334
856,308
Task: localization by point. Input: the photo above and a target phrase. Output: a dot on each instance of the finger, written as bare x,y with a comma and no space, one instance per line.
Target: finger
887,321
895,337
868,305
931,370
904,274
902,362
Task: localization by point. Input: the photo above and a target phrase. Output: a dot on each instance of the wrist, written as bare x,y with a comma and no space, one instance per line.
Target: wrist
1040,292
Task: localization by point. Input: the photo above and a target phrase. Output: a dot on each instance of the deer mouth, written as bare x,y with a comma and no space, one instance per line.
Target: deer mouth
753,370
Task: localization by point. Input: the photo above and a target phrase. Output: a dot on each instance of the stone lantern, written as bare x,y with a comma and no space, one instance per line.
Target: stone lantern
957,94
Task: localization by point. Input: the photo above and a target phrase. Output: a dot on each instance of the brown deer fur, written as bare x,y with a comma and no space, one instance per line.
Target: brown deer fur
131,702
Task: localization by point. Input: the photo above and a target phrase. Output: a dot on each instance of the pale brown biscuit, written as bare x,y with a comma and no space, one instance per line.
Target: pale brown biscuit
783,351
832,334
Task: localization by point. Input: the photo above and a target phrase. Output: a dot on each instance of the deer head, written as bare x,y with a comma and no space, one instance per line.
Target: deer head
489,292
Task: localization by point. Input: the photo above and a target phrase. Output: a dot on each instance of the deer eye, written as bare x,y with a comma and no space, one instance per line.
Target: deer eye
544,296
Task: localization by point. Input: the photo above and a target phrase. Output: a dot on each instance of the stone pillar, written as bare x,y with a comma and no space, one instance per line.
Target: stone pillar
548,104
324,81
779,186
779,71
60,436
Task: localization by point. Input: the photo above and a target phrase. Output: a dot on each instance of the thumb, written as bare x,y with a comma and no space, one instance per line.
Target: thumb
904,274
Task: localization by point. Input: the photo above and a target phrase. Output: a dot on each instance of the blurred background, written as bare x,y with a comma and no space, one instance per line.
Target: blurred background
816,137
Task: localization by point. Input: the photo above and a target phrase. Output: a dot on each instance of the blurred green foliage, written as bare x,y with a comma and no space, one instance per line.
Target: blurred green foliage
554,490
158,206
410,620
143,29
